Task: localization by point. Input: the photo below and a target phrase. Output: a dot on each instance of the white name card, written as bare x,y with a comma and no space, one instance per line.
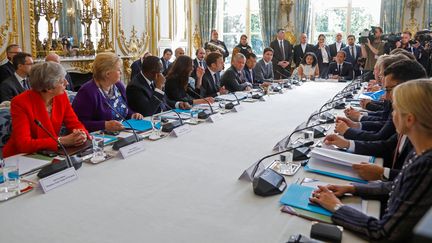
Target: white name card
181,130
263,98
238,108
132,149
215,117
58,179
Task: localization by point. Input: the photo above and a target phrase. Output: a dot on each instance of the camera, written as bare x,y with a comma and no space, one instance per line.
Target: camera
367,34
392,37
423,37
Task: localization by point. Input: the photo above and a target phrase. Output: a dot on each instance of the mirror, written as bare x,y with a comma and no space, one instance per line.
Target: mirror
69,27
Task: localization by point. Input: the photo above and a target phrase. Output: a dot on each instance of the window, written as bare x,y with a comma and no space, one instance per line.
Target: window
345,16
235,18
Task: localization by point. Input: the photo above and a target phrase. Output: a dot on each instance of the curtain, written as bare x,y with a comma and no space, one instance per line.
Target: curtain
391,12
302,17
269,16
427,18
207,19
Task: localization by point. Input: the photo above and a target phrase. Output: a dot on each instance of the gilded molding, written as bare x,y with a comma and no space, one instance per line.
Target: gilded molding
23,34
11,36
32,28
83,66
413,25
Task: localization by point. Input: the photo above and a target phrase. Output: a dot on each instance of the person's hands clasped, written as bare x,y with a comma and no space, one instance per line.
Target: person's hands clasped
341,127
352,114
185,106
334,139
348,121
113,126
325,197
137,116
223,90
76,138
364,102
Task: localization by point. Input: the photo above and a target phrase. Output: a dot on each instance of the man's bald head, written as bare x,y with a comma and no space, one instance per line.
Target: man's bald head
52,57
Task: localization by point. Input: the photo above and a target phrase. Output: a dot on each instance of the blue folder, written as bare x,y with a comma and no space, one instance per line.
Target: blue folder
331,174
375,95
298,196
140,125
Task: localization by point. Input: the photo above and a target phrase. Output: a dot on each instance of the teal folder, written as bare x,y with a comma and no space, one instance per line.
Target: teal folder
331,174
140,125
298,196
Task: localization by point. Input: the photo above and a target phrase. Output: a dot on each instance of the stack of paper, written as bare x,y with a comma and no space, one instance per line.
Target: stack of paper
336,163
231,97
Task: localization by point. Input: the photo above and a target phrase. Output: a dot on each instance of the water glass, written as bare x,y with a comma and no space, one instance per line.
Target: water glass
98,149
11,179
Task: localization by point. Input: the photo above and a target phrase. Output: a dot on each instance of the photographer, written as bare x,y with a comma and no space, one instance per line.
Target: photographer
373,48
406,43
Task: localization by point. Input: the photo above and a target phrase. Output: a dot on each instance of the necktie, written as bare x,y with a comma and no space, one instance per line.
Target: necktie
282,49
152,86
25,84
201,64
339,69
216,80
251,75
352,52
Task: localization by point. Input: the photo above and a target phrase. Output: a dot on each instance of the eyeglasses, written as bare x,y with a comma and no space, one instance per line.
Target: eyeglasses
28,63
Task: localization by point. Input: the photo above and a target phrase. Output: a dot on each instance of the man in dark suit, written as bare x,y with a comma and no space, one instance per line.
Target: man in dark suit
301,49
165,59
145,93
234,78
210,83
340,69
353,52
52,57
217,44
199,61
282,56
136,65
249,70
264,67
18,82
7,70
337,46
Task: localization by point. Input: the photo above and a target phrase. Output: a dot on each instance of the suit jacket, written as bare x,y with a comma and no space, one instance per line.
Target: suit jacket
208,86
10,88
333,49
319,55
409,199
346,73
251,77
26,136
175,92
263,71
6,70
165,66
91,106
136,68
351,59
385,149
278,56
221,44
144,99
232,80
299,54
384,133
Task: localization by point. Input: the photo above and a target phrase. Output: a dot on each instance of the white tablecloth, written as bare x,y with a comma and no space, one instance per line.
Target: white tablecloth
179,189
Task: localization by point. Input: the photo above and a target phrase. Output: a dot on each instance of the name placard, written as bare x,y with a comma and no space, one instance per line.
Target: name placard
58,179
132,149
238,108
215,117
181,130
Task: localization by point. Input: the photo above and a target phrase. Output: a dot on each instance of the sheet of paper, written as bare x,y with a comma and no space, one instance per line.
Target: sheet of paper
339,157
27,163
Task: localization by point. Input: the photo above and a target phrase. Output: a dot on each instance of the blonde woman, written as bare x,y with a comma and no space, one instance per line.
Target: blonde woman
409,194
101,104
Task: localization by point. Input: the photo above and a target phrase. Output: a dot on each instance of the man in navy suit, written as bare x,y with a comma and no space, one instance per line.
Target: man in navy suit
165,59
397,73
7,70
353,52
210,83
199,61
340,69
337,46
234,78
264,67
136,65
18,82
282,55
249,70
301,49
145,92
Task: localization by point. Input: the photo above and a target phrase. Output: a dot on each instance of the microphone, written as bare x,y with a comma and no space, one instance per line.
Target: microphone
329,119
269,182
124,141
61,165
168,127
299,130
202,114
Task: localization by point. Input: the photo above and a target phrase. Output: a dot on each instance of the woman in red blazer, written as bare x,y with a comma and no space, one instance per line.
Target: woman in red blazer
46,102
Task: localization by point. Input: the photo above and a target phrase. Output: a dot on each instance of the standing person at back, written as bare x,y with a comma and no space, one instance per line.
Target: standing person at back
7,70
322,51
353,52
243,47
372,50
337,46
282,56
216,43
301,49
165,59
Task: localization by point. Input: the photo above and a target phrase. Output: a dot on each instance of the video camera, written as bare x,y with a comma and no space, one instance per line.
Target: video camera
423,37
367,34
